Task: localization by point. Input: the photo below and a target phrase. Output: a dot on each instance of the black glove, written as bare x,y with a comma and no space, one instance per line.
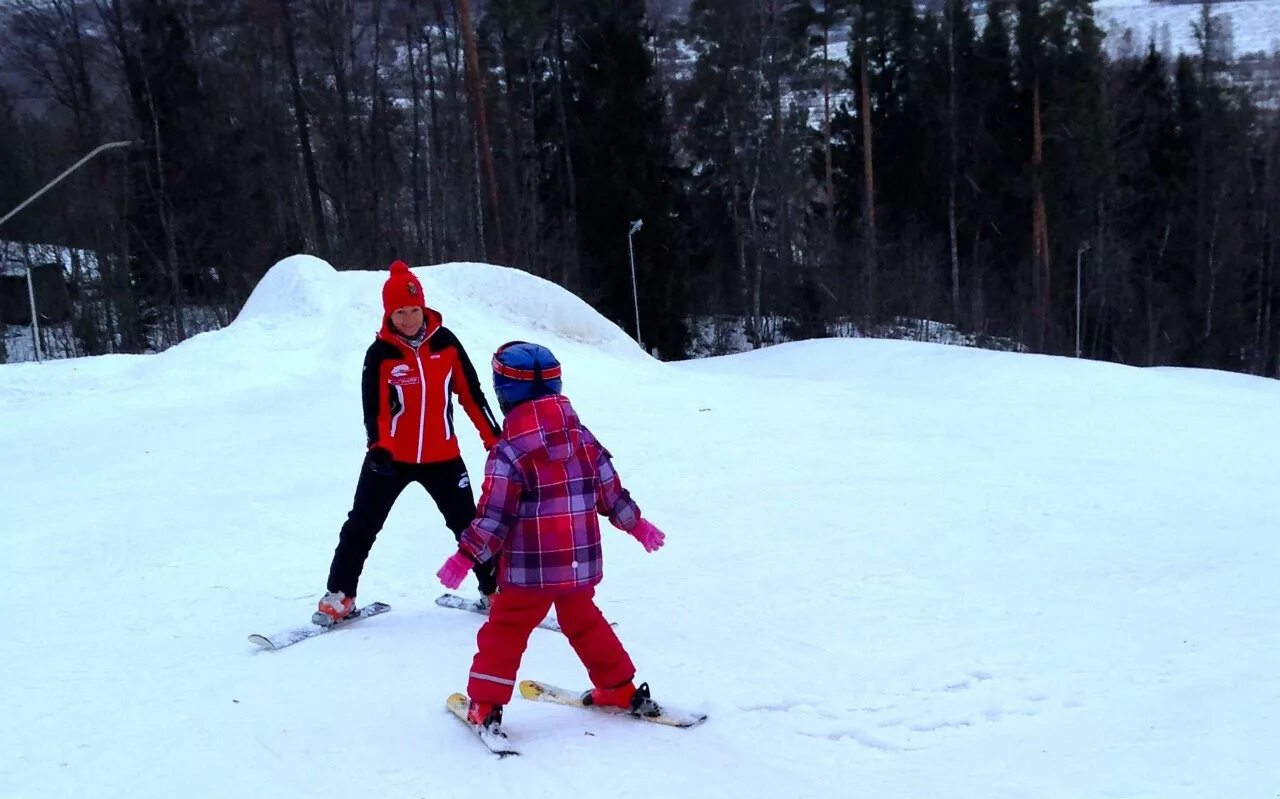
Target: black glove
379,462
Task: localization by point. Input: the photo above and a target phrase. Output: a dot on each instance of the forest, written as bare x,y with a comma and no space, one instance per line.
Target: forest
991,173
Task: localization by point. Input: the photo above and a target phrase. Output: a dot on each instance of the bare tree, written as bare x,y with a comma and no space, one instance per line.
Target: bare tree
476,83
304,127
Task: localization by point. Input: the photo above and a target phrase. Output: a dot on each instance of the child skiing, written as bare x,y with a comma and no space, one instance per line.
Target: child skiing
546,480
410,372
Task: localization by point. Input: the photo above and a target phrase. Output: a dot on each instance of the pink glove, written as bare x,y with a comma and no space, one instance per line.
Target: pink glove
650,537
454,570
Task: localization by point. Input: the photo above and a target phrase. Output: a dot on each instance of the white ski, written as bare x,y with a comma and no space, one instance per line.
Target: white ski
291,637
495,739
475,606
663,714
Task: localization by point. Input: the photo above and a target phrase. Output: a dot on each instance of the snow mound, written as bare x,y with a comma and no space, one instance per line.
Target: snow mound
305,318
524,300
474,298
298,286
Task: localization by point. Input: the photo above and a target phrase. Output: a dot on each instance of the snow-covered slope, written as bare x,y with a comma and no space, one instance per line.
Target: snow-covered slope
892,570
1254,25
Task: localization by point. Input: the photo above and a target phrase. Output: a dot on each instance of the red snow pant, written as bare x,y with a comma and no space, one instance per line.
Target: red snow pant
515,612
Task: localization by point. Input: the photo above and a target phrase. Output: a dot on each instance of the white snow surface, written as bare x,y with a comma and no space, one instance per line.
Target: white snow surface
1254,25
893,570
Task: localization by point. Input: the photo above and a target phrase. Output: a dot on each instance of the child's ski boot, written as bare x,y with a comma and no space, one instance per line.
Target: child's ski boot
635,701
483,714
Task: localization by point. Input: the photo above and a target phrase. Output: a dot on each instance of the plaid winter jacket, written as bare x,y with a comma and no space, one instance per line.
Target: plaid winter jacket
544,484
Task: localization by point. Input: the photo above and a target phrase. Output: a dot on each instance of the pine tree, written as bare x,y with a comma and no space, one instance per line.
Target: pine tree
624,171
747,148
1153,187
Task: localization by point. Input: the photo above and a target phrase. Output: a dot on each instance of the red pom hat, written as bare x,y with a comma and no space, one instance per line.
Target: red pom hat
402,289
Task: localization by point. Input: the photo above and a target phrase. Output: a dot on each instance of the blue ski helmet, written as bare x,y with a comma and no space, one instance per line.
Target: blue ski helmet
524,371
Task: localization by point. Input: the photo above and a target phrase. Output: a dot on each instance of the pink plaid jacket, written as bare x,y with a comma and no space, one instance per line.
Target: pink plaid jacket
544,484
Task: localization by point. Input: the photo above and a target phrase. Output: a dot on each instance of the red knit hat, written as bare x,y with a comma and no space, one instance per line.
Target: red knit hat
402,289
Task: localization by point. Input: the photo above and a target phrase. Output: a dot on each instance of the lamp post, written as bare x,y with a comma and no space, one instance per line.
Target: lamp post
1080,251
31,292
100,148
31,295
635,294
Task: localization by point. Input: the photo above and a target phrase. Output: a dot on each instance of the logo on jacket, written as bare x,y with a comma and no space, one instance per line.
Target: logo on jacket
402,375
465,482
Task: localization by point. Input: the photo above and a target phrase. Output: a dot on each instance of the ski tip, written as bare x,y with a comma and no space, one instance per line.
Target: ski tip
262,641
530,689
456,702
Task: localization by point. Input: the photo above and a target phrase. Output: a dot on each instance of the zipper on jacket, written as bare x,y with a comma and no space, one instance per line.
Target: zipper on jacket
422,411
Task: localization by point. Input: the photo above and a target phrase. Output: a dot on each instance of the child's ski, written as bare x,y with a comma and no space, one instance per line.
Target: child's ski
542,692
494,739
476,606
291,637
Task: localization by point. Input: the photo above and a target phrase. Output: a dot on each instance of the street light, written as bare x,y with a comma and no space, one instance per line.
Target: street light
31,295
31,292
635,295
67,171
1080,251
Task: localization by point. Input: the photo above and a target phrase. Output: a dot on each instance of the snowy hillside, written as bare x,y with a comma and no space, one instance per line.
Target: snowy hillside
892,570
1254,24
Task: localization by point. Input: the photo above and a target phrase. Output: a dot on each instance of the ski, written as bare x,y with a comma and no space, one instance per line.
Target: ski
495,739
291,637
475,606
670,716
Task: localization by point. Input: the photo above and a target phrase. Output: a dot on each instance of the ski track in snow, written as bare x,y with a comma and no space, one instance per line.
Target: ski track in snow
905,724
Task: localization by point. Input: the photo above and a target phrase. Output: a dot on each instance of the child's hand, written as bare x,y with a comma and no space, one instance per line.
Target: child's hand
650,537
454,570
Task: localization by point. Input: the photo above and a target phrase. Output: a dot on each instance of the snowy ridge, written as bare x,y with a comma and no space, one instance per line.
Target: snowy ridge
308,291
1254,25
892,570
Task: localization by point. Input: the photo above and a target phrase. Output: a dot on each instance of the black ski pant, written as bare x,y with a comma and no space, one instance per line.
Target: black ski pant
446,482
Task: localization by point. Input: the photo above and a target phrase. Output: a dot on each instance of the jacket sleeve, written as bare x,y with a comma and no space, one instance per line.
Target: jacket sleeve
498,509
612,499
376,428
471,395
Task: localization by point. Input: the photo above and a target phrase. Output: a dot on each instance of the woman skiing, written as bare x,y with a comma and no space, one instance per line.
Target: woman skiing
411,372
546,480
